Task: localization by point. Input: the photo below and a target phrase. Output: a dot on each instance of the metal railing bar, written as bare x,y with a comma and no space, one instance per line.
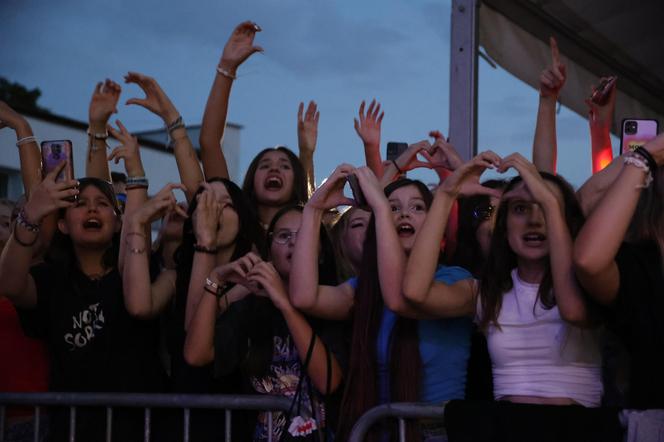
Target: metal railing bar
269,426
36,424
402,430
109,424
144,400
228,425
400,410
2,423
186,425
72,424
146,425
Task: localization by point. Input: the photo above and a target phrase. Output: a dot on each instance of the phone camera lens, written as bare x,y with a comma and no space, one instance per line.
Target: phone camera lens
631,127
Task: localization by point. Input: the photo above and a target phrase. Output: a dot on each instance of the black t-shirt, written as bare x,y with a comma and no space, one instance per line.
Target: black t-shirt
637,316
94,344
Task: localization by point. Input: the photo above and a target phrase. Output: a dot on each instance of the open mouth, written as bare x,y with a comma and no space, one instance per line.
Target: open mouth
92,224
273,183
405,230
534,239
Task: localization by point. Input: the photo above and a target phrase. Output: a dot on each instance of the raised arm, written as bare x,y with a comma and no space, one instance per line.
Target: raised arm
47,198
137,195
600,238
238,48
305,292
568,294
307,135
142,298
552,79
157,102
419,286
592,191
28,148
266,275
600,119
199,343
367,126
205,222
103,104
407,161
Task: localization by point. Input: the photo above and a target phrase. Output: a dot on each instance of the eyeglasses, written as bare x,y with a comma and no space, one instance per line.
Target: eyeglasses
412,208
284,236
483,212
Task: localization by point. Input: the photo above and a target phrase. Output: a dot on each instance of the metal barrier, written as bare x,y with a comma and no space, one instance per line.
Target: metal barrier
146,401
399,410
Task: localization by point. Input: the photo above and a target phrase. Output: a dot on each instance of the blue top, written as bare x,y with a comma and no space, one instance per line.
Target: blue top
444,349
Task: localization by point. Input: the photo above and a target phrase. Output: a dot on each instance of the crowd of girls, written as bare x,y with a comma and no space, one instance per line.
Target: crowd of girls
504,290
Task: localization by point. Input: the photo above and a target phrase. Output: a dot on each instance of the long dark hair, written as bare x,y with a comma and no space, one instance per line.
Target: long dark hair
648,220
264,317
249,234
468,252
60,251
497,279
299,195
361,391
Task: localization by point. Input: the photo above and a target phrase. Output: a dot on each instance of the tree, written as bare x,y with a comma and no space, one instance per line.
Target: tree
20,97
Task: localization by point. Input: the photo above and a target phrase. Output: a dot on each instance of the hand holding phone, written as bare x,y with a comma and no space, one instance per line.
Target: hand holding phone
636,132
53,154
358,195
601,93
394,150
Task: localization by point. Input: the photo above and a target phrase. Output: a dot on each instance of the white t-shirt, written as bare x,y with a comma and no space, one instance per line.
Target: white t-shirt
536,353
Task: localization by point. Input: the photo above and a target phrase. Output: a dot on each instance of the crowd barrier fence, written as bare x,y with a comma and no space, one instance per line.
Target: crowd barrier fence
147,401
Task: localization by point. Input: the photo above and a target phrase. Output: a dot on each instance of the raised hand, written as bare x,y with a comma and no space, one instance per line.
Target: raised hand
371,187
237,271
156,100
442,153
104,102
266,276
50,196
307,126
602,114
465,181
10,118
158,206
368,125
408,159
536,185
207,218
240,46
128,150
552,79
331,193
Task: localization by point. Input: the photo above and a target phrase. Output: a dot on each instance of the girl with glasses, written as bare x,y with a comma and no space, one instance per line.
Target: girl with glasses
253,327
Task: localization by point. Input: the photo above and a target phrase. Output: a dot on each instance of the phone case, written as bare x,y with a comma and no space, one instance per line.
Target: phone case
635,132
55,152
600,94
394,150
358,195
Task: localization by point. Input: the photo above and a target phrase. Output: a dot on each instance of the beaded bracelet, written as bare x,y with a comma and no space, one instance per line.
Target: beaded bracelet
652,164
225,73
22,220
26,140
134,250
636,160
178,123
203,249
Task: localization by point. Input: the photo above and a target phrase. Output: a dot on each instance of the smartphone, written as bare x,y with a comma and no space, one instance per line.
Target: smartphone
635,133
358,195
55,152
601,93
394,150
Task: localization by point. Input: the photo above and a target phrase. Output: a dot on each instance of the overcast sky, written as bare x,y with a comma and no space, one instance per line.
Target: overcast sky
335,52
